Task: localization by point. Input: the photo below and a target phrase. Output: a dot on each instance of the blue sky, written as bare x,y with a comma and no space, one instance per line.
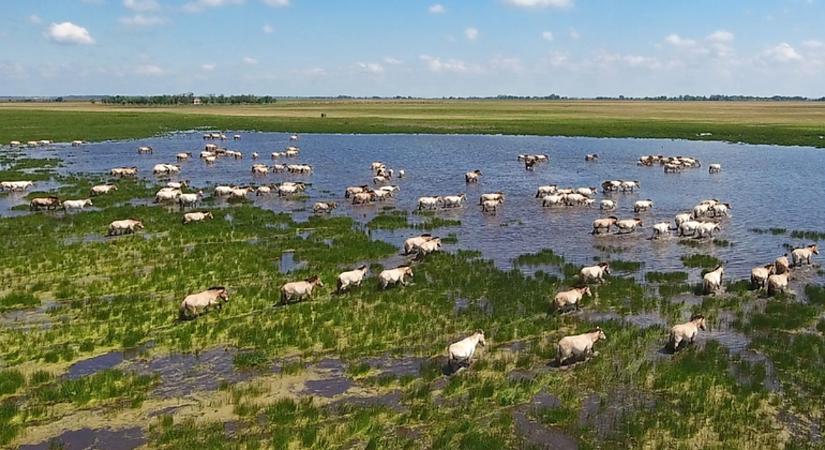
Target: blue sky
410,47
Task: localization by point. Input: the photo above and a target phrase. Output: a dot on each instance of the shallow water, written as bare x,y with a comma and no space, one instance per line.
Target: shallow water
754,180
184,373
125,439
105,361
334,382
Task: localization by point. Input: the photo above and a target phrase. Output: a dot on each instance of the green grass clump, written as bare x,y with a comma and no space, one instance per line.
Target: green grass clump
784,314
389,220
255,359
703,261
105,385
626,266
8,430
809,235
542,257
773,231
436,222
16,300
815,294
10,381
666,277
451,238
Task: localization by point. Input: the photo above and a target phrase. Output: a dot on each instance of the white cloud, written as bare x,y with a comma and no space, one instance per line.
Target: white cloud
392,61
783,52
69,33
149,70
506,64
141,5
558,60
34,19
200,5
813,43
574,34
311,72
208,67
540,3
720,36
471,33
249,60
438,8
276,3
140,20
547,35
373,67
678,41
268,29
435,64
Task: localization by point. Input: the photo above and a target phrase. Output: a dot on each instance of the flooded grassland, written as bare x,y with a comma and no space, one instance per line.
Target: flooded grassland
94,355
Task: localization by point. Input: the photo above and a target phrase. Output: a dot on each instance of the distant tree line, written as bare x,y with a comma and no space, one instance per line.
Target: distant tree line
189,98
186,99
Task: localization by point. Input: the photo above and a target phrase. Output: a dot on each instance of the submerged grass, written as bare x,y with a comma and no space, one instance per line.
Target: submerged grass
701,261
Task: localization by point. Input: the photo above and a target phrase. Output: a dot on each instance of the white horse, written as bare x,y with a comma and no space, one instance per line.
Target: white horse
462,351
196,304
580,345
686,332
299,289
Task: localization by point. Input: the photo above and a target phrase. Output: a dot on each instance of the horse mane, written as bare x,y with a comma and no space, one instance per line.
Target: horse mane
362,267
595,330
403,266
216,288
312,279
696,317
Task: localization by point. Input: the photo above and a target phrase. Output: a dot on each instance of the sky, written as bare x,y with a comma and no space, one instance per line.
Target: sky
581,48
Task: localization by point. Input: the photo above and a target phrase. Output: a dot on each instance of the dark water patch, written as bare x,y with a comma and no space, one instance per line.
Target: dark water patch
462,305
100,363
181,374
288,263
408,366
536,435
85,239
604,415
641,320
646,320
391,400
86,438
30,318
333,383
521,376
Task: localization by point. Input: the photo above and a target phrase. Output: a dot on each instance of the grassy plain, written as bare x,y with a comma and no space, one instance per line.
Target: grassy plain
782,123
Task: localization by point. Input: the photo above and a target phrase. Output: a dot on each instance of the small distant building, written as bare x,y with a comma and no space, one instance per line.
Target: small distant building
196,101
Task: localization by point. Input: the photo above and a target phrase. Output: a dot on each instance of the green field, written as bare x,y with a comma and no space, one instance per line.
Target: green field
781,123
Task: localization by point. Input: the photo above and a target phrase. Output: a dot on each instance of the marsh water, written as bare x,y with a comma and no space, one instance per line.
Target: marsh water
767,186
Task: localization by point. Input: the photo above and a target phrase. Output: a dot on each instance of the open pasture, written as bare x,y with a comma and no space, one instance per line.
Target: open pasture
90,335
757,122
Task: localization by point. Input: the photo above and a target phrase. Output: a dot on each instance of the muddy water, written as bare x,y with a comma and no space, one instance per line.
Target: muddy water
184,373
435,165
334,381
125,439
99,363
